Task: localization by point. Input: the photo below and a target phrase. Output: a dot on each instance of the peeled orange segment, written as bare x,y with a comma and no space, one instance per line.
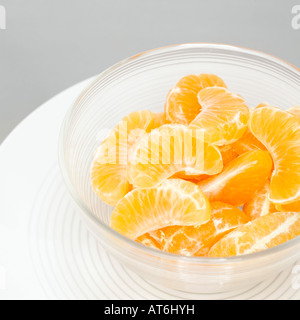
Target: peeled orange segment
261,105
182,104
295,111
223,118
109,168
174,202
247,143
260,205
227,153
196,241
295,207
263,233
168,150
159,119
279,131
149,241
240,179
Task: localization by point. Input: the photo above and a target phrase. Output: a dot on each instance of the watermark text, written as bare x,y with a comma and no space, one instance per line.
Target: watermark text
166,146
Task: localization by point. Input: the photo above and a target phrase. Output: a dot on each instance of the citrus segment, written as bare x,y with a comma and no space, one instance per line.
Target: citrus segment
223,118
182,105
295,207
149,241
263,233
159,119
168,150
260,205
279,131
240,179
295,111
196,241
247,143
261,105
174,202
109,168
227,153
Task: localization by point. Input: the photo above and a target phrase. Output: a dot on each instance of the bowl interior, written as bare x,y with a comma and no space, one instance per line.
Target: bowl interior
143,82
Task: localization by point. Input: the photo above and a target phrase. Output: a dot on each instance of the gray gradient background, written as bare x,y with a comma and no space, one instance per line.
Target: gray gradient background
50,45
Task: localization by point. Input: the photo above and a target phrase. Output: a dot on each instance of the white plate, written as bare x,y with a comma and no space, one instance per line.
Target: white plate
45,250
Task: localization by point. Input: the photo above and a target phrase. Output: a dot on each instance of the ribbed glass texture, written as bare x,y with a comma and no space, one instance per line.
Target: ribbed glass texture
142,82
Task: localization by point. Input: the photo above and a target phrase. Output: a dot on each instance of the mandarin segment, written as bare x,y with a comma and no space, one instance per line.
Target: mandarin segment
279,131
159,119
260,205
168,150
260,234
149,241
197,241
247,143
240,179
182,105
294,206
227,153
295,111
223,118
174,202
261,105
109,168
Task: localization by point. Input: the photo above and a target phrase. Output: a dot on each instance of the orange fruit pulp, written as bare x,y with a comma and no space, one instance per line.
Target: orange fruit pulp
196,241
168,150
223,118
279,131
260,234
240,179
260,205
182,105
109,168
173,202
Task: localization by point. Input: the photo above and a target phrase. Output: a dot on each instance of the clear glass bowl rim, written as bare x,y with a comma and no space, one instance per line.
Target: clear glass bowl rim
137,246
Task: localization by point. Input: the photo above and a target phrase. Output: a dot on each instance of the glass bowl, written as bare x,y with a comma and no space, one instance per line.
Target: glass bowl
142,82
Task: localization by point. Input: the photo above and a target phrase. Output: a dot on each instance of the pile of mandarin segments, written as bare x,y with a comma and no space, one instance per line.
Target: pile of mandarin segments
207,177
